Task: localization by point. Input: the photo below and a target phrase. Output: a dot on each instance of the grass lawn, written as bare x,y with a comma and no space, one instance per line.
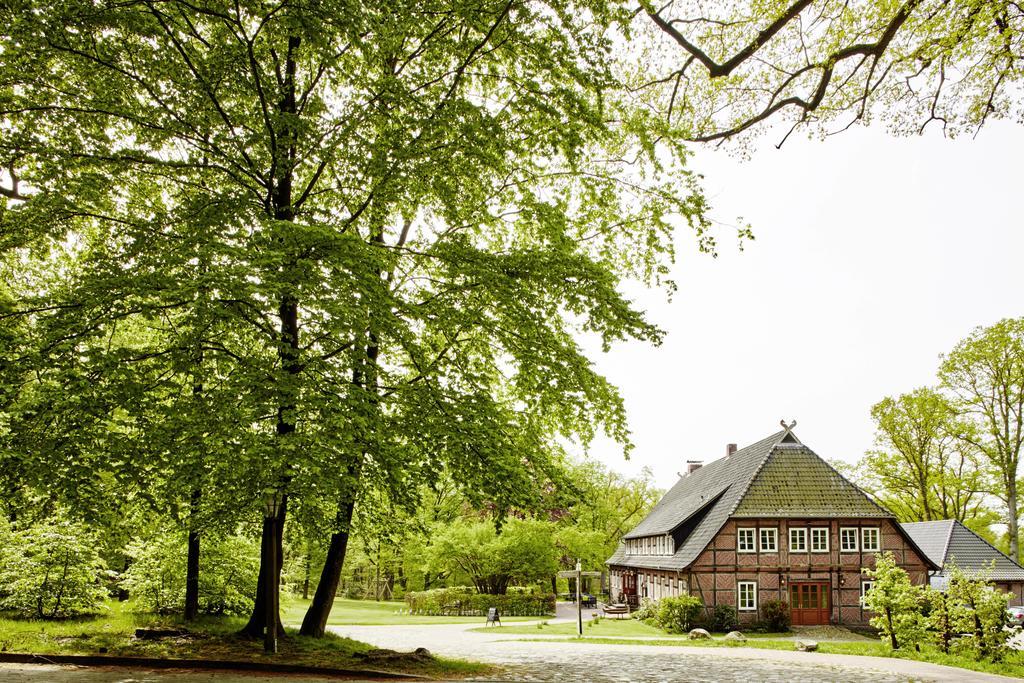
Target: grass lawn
1013,665
372,613
611,628
604,628
210,638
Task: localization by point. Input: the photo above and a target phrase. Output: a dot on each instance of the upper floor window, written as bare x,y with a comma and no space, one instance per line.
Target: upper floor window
769,540
745,540
797,540
819,540
848,540
871,539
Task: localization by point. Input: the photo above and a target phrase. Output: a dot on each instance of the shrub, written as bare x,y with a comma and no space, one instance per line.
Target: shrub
228,568
775,615
51,571
677,614
979,610
724,619
896,603
463,601
646,611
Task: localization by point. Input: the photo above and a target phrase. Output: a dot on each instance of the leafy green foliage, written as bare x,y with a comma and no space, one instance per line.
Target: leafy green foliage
920,468
976,608
51,570
897,603
155,580
677,614
775,615
829,65
985,374
522,552
646,611
724,619
463,601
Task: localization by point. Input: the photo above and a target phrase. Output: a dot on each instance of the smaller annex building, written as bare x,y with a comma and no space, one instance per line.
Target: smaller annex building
771,521
948,542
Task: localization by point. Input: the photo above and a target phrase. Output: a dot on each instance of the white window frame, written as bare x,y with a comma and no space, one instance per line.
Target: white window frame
878,539
774,533
842,539
800,531
827,534
865,586
739,596
753,539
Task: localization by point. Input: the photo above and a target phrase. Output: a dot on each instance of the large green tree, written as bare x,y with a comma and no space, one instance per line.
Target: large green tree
985,372
920,468
366,235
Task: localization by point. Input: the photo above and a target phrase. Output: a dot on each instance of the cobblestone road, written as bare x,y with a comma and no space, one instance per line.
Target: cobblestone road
569,662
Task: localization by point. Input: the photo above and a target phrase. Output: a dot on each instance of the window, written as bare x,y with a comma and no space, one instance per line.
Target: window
819,540
769,540
865,586
746,596
871,539
745,541
798,540
848,540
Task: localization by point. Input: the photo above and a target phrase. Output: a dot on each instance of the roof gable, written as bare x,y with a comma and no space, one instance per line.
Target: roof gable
795,482
777,476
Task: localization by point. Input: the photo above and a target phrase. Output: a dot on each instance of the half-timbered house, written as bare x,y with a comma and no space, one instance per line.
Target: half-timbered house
771,521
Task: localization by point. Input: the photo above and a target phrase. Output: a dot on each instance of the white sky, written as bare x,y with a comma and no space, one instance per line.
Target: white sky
873,255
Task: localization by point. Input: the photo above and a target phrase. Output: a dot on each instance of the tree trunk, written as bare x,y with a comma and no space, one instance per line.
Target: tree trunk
288,349
1011,522
315,622
192,563
254,627
309,568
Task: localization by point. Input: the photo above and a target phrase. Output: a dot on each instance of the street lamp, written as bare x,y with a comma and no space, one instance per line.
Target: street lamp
271,509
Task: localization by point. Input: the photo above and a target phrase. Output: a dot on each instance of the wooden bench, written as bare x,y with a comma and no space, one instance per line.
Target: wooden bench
619,610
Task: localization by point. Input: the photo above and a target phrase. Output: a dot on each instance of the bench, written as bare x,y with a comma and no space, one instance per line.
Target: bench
619,610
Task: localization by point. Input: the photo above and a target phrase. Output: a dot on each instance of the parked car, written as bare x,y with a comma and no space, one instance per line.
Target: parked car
1015,616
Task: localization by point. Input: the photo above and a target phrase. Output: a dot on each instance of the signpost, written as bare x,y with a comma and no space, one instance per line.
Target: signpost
578,574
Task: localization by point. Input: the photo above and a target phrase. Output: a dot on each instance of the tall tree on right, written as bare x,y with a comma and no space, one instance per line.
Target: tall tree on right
985,372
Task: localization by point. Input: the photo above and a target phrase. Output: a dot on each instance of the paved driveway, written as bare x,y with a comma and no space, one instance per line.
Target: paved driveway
560,661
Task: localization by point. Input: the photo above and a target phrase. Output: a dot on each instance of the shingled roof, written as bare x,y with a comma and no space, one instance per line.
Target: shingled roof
777,476
948,540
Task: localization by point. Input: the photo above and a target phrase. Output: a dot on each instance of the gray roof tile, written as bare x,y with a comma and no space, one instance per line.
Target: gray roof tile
948,540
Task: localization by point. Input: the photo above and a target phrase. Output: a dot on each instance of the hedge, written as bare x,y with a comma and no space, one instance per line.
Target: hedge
464,602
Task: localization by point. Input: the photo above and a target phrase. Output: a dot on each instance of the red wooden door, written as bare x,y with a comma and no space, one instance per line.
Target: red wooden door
809,603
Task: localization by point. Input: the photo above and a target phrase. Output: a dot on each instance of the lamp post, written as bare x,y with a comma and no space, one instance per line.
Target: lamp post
271,507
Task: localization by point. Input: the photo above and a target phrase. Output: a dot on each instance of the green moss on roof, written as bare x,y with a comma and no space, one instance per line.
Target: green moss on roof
795,482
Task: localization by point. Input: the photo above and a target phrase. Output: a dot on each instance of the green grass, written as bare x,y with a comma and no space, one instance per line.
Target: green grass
1012,665
372,613
608,628
209,638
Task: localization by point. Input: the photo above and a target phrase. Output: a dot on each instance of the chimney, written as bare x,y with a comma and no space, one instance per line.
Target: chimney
693,465
730,448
